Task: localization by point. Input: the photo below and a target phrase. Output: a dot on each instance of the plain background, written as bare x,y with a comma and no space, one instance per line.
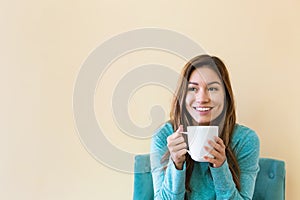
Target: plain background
43,44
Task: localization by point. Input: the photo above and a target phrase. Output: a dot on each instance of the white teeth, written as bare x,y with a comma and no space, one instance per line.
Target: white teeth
202,109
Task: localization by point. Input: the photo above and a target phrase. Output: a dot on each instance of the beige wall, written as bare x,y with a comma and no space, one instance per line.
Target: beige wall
43,44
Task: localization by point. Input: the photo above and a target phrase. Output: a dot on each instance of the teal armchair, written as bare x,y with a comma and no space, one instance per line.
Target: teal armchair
270,182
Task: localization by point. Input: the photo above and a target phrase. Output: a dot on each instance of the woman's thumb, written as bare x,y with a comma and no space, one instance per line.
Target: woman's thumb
180,129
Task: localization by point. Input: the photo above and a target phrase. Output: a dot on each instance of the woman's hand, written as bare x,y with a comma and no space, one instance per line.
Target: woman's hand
177,147
217,151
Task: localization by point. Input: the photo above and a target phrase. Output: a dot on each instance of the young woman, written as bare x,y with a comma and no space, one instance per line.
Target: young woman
204,97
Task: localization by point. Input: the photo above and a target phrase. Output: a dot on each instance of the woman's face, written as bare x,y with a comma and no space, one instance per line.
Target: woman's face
205,95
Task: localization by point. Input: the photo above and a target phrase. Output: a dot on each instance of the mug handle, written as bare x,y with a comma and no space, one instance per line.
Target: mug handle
186,133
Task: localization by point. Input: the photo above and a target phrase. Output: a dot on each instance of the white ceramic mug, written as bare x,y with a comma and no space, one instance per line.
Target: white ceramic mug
198,137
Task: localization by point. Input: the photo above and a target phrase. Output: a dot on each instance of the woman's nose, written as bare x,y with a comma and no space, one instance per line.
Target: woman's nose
202,95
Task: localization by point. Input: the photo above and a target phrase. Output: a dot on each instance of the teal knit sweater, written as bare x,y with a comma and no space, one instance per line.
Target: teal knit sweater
206,182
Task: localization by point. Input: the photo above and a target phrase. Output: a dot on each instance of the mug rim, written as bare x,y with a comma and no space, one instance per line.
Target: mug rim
204,126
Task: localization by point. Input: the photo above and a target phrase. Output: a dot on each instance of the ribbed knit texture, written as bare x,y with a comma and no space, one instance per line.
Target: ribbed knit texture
206,182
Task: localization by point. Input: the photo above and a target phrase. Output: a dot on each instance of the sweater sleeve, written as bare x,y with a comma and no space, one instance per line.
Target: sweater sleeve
168,183
246,148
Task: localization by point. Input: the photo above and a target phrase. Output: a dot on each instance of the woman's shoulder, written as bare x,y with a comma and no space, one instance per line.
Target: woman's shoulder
164,130
243,131
243,135
159,138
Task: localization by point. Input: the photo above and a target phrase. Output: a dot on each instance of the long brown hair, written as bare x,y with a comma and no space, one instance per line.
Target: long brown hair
226,121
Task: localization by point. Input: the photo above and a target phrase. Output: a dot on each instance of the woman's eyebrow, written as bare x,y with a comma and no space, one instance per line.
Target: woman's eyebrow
194,83
210,83
214,82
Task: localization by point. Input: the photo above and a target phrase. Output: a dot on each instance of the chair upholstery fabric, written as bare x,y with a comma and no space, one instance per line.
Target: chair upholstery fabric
270,182
143,185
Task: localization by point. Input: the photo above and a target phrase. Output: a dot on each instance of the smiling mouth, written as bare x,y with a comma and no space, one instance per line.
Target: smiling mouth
203,109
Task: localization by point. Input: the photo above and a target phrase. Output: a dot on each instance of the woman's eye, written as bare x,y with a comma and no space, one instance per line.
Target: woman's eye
212,89
192,89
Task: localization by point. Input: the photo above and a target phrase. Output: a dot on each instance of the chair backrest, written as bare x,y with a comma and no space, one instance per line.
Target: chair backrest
270,182
143,185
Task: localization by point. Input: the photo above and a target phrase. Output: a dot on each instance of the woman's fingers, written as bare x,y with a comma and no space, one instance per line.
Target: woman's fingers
218,145
179,156
177,147
180,146
213,152
219,141
217,150
175,139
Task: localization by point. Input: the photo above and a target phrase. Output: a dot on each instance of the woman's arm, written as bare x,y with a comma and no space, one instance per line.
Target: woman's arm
247,152
168,183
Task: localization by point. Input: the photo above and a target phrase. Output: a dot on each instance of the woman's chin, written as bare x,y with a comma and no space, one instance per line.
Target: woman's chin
202,123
